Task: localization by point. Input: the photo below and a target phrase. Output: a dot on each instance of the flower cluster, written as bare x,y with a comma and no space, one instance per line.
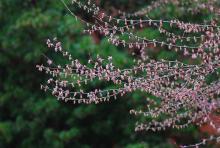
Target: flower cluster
204,36
183,95
193,6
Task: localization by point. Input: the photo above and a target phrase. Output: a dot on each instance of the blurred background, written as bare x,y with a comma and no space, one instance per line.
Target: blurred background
32,118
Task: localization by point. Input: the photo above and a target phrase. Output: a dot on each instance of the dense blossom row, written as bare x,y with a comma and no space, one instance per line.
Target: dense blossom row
193,6
204,36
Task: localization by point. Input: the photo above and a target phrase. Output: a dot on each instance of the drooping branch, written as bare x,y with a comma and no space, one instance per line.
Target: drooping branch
184,95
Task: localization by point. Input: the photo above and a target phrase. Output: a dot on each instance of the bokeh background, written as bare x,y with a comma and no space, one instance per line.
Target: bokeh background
31,118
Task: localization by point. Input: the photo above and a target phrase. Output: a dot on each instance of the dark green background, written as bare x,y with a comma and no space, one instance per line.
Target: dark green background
31,118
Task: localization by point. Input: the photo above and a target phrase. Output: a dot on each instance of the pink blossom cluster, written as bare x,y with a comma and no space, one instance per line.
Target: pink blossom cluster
183,95
193,6
205,37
